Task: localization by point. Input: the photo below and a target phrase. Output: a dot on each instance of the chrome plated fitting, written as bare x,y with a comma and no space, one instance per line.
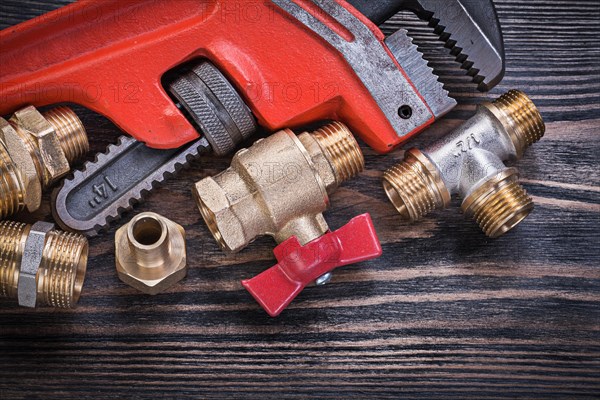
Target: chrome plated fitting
279,187
151,253
40,265
469,162
36,150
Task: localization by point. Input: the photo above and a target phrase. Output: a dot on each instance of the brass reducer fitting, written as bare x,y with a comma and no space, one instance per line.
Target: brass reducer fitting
279,187
470,162
41,266
151,253
36,150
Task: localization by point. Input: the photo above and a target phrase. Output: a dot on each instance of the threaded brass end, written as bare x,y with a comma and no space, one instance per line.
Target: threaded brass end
150,253
499,204
12,243
27,167
341,150
11,186
414,186
61,272
70,131
521,119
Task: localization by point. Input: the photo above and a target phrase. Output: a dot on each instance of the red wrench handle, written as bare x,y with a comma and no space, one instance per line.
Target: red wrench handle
111,55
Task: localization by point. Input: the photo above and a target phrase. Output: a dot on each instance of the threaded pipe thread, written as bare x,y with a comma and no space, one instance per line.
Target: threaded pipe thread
499,205
408,191
414,187
70,131
11,186
62,269
61,273
521,118
341,149
12,243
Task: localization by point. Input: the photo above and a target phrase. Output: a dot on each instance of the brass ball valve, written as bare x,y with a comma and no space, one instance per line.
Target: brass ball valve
280,187
35,151
470,162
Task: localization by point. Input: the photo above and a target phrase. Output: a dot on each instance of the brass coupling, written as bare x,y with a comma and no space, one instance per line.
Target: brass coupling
36,150
41,266
279,187
470,162
151,253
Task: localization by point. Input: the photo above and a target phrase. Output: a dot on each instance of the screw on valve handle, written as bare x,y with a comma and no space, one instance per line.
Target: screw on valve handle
298,266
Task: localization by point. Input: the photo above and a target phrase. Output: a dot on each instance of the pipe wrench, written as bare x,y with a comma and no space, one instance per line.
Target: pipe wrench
170,72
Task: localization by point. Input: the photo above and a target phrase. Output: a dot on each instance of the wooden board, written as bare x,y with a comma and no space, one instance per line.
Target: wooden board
444,313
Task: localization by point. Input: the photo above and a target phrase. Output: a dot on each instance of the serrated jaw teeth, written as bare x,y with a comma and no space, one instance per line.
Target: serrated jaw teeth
420,74
479,49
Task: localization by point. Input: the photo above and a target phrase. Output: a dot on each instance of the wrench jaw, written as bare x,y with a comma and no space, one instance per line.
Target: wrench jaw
104,189
421,75
471,30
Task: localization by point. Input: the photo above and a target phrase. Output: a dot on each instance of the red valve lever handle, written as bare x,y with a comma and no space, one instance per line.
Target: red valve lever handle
297,266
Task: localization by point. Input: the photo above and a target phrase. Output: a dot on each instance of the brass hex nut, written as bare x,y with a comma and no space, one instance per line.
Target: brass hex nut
151,253
30,264
21,156
32,124
219,216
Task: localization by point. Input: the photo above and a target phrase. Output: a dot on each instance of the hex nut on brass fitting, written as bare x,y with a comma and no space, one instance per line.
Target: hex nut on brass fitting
470,162
279,187
36,150
151,253
41,266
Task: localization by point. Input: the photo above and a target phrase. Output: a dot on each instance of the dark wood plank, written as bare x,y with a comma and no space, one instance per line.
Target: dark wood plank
444,313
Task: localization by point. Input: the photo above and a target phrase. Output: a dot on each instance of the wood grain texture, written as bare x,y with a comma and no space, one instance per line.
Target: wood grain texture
444,313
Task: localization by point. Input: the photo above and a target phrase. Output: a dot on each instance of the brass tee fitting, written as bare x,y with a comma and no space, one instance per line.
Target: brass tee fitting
279,187
151,253
35,150
469,162
41,266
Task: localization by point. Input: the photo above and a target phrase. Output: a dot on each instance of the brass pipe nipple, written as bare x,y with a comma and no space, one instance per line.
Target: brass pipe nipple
151,253
470,162
36,150
55,279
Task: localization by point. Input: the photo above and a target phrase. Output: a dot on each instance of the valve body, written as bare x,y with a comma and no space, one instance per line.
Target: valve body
279,187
